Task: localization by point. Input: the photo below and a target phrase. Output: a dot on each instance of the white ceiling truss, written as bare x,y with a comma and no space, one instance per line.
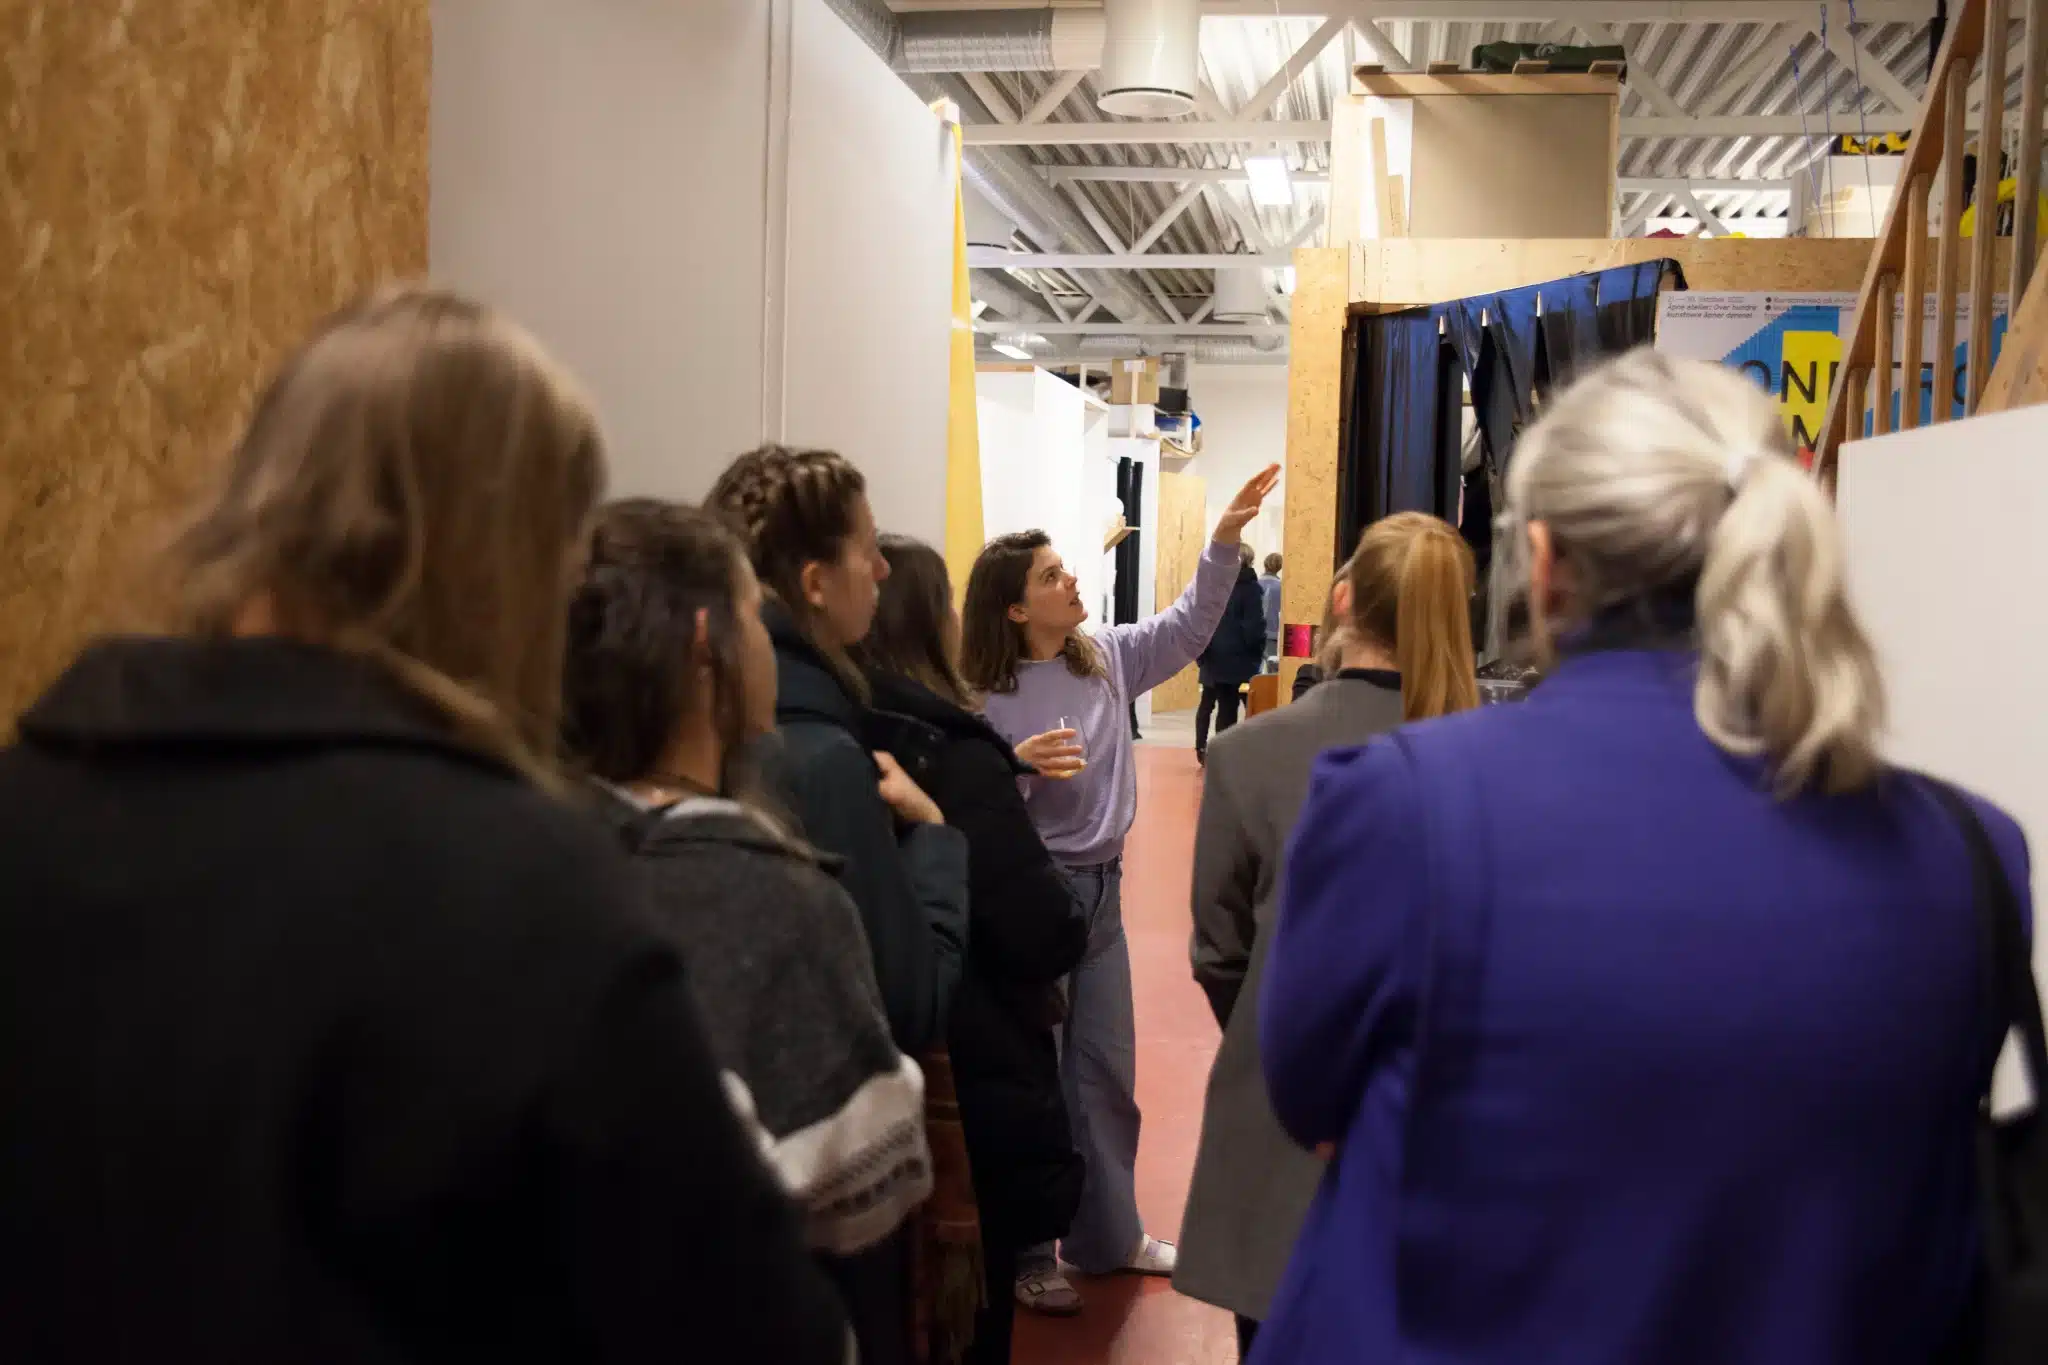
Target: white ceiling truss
1726,105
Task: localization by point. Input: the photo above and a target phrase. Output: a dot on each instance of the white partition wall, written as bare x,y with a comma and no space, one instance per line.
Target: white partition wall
867,317
729,217
1948,565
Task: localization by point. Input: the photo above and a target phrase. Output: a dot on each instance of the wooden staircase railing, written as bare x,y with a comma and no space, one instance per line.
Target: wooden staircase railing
1870,373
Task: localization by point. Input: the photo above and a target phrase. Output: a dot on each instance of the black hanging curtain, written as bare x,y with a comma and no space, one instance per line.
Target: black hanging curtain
1130,491
1406,373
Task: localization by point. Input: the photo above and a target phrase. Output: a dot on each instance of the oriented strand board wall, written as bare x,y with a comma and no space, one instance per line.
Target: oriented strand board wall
187,184
1183,534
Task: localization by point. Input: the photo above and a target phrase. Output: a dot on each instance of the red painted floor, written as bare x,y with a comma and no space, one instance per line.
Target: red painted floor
1130,1321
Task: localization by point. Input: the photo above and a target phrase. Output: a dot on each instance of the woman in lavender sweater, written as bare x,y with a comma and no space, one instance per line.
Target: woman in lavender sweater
1043,679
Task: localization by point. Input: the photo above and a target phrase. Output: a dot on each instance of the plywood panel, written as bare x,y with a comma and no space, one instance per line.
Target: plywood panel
1418,270
1183,533
1512,166
188,186
1315,382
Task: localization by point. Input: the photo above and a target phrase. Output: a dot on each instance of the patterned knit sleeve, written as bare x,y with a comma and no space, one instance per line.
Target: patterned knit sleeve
837,1111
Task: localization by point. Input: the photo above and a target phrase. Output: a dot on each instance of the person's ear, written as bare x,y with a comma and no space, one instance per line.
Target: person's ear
1341,600
812,580
1542,564
1019,615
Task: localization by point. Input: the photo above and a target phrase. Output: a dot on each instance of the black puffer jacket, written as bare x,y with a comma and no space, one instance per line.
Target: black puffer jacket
1237,651
1027,932
910,884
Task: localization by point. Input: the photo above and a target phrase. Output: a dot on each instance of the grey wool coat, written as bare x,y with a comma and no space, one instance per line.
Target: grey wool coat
1252,1185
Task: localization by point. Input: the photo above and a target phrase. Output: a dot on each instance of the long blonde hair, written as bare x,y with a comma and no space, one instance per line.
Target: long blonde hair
1654,474
413,489
1411,591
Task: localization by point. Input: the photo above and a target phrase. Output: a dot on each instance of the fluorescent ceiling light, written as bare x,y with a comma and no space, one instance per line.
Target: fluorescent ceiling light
1011,350
1271,189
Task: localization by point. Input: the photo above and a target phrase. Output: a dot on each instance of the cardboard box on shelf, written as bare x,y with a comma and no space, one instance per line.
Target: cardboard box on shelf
1134,381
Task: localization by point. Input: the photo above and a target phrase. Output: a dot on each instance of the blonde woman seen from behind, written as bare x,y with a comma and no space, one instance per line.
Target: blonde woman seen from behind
1400,649
330,1031
1643,1017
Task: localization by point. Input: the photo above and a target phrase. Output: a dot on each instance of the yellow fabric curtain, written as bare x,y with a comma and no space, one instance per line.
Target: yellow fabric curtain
963,439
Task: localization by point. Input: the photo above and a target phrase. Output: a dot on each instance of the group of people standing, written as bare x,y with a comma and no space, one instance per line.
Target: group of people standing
498,923
1648,1019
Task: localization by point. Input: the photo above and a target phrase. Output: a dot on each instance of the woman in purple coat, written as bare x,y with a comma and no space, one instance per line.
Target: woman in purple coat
1643,1017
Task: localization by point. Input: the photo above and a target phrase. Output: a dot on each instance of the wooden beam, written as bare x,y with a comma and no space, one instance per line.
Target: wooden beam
1315,414
1949,240
1409,85
1881,366
2021,377
1859,383
1912,326
2033,76
1985,242
1382,190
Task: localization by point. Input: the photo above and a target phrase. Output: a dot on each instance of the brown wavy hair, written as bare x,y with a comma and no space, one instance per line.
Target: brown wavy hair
413,489
1411,588
991,644
909,634
790,508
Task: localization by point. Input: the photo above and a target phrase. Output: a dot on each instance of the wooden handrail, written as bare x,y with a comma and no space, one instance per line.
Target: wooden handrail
1924,154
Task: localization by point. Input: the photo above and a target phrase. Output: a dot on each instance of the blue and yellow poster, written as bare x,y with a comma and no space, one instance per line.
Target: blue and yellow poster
1792,345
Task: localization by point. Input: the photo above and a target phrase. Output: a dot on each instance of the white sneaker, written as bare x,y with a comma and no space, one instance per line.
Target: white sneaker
1045,1289
1153,1257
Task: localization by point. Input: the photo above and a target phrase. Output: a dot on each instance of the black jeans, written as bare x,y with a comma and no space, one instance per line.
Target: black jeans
995,1322
1221,698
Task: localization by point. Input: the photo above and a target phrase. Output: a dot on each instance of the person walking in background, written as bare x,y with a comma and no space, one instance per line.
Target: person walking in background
810,535
1269,586
1402,653
670,681
329,1031
1233,657
1061,697
1026,931
1645,1016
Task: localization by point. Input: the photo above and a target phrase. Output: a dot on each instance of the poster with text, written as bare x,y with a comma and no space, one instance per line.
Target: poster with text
1792,344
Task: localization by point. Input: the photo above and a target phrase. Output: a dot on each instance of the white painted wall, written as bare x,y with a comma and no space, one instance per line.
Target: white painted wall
867,310
1048,463
1244,428
1946,565
670,195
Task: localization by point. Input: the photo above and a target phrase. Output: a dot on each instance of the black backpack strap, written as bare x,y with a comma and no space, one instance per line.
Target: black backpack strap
2011,1000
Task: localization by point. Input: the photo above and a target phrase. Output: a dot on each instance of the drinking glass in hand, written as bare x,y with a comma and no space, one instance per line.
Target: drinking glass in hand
1078,742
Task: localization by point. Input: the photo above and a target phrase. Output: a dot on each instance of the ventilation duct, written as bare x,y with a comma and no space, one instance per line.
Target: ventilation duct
1005,296
1043,39
1240,296
1151,57
987,225
1000,40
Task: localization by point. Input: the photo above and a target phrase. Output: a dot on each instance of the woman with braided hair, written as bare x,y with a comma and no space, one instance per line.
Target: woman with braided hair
810,533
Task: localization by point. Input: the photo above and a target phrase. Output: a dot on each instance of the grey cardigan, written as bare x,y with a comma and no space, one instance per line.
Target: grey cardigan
1252,1185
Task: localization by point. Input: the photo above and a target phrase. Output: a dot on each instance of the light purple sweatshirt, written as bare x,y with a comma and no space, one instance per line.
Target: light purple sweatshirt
1084,819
